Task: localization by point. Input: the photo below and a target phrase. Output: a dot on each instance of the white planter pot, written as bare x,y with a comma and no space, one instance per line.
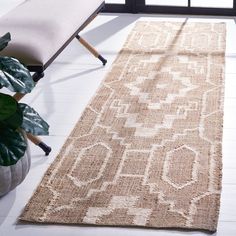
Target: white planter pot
11,176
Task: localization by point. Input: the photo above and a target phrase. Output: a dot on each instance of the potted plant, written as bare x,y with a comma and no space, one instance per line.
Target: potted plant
16,121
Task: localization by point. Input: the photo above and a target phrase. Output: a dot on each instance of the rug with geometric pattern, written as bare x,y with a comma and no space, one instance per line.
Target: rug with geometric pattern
147,149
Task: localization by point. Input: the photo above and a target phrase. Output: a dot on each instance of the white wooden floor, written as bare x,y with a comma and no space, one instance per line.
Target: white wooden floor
62,95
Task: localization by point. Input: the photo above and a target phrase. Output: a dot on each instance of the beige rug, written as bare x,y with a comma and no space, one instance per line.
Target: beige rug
147,149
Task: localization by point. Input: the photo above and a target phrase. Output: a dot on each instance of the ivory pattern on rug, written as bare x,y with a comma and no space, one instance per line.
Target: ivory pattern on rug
147,149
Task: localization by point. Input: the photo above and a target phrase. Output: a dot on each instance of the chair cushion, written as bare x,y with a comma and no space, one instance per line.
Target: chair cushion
39,28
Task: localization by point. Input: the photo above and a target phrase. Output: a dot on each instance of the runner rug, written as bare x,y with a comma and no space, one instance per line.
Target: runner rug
147,149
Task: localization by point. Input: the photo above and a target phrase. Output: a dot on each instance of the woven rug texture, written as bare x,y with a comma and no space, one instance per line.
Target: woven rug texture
147,149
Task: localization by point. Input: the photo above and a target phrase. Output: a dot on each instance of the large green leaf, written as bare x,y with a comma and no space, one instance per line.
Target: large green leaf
14,76
4,40
32,121
12,146
8,106
14,121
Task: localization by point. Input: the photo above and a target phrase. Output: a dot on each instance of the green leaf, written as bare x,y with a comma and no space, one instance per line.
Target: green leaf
12,146
4,40
32,121
8,106
14,121
14,76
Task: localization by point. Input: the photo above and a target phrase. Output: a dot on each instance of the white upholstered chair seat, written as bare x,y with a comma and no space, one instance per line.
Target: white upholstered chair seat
39,28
